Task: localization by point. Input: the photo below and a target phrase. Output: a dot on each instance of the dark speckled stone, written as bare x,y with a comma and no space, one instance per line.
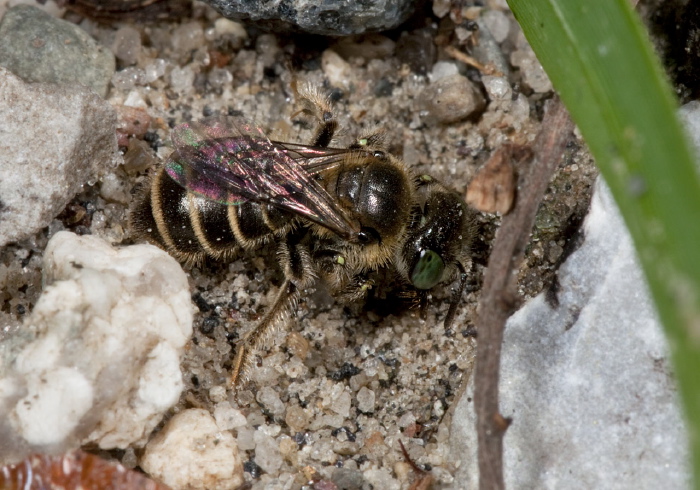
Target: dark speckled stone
328,17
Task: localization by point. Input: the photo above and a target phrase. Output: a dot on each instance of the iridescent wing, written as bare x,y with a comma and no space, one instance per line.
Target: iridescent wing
229,160
315,159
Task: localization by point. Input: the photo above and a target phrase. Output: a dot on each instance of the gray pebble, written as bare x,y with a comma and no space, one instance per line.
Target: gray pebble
449,99
55,139
40,48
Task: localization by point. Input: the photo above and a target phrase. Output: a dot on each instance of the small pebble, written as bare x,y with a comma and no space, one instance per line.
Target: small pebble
450,99
297,418
227,417
381,478
181,79
191,452
127,45
533,75
497,23
497,88
365,400
128,78
267,452
186,39
443,69
217,394
269,399
245,438
226,27
154,70
337,70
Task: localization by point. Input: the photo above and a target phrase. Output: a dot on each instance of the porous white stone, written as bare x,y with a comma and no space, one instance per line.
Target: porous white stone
55,402
54,140
98,359
588,383
191,452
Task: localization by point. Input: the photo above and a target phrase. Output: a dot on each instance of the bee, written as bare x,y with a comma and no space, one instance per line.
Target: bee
333,214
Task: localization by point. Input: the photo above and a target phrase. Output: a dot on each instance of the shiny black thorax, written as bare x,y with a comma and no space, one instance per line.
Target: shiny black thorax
376,191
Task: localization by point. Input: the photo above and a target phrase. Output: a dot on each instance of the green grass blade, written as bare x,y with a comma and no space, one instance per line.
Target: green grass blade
599,58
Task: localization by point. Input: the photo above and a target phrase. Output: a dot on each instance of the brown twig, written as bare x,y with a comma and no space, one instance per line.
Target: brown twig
499,295
468,60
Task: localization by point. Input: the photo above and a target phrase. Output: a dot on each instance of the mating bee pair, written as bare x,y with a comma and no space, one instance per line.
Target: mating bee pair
335,214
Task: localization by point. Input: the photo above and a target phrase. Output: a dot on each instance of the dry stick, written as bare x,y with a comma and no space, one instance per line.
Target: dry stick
499,295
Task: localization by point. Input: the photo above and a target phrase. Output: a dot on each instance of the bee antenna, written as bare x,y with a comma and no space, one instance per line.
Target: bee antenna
456,297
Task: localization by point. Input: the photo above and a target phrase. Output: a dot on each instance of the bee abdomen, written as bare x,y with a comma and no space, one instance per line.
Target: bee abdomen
210,223
171,215
190,227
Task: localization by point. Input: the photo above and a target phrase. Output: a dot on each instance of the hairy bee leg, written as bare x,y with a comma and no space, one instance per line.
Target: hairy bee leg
299,273
284,302
317,105
357,290
373,138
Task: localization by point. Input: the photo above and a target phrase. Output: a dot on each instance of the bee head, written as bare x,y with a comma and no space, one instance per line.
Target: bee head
438,238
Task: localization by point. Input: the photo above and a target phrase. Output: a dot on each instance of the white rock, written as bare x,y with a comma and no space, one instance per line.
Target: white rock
227,417
192,453
127,44
54,140
102,363
381,478
181,79
341,405
589,384
55,402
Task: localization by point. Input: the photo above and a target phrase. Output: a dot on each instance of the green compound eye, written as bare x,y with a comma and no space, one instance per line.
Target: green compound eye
428,271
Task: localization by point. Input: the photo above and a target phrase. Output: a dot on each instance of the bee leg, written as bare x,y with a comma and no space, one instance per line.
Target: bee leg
299,273
285,300
374,138
318,106
330,262
356,289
